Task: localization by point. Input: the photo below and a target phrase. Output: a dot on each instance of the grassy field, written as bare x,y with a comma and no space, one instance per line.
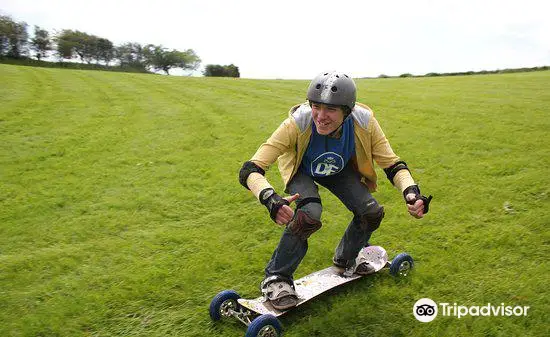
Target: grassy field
121,213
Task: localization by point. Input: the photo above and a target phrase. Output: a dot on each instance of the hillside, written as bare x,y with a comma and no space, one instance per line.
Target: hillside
121,213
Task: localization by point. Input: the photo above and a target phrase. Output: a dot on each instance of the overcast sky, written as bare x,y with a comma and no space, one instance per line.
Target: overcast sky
298,39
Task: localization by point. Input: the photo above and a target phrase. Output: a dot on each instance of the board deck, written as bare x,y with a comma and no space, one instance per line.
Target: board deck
318,282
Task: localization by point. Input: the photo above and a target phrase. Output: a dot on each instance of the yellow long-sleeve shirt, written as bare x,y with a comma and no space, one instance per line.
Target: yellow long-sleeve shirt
289,142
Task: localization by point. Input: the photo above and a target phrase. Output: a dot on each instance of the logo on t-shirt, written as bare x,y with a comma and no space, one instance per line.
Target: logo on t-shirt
327,164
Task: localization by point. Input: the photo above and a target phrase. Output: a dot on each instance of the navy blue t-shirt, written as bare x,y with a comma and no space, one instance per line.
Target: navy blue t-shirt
326,155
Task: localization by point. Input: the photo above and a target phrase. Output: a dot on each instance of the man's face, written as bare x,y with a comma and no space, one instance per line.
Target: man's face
327,118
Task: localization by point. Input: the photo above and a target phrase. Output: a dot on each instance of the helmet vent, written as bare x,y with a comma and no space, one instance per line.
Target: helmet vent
334,89
337,76
325,74
318,86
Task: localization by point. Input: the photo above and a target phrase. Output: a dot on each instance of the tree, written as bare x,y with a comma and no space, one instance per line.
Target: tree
85,46
105,50
131,55
13,37
5,29
71,44
216,70
160,58
41,43
64,44
233,71
74,43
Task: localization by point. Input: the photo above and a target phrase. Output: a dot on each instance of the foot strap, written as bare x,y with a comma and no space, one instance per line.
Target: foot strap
275,287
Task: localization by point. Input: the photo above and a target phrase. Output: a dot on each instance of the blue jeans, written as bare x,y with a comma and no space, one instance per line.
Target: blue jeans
346,186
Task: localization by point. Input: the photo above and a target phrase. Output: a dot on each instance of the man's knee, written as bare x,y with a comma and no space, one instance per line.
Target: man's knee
303,225
372,218
312,209
307,219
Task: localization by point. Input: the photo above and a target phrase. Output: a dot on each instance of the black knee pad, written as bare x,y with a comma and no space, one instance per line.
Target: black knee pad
303,225
371,220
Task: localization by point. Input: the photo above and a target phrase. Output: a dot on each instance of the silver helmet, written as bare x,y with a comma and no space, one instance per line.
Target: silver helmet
333,88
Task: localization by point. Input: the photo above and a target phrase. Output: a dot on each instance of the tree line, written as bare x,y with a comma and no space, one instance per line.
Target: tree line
68,44
217,70
465,73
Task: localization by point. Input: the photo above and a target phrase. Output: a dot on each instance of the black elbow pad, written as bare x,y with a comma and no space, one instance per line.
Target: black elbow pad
248,168
392,170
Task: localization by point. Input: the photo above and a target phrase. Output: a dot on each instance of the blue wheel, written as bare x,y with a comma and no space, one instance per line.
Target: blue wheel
401,265
264,326
223,304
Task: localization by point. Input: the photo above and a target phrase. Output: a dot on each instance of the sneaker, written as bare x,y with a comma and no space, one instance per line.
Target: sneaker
342,267
280,294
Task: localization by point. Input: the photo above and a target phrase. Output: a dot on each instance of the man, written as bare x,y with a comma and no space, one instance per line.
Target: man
332,141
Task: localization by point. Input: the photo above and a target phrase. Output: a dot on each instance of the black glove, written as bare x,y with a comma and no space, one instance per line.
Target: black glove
414,189
272,201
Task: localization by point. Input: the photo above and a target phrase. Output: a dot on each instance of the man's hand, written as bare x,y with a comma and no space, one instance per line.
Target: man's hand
416,209
417,204
279,208
285,213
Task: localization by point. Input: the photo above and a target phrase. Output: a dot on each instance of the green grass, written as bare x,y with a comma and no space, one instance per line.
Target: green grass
121,213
